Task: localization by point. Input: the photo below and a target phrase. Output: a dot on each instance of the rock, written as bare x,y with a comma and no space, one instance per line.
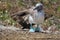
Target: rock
52,29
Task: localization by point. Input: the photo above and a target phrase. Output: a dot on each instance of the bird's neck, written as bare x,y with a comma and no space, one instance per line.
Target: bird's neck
39,10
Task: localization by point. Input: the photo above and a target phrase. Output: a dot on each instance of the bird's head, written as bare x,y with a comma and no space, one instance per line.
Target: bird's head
38,7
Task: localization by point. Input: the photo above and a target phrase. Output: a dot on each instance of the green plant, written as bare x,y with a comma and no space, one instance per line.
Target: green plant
58,8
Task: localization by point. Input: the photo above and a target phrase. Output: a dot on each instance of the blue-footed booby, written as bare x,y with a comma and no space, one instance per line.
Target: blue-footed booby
37,17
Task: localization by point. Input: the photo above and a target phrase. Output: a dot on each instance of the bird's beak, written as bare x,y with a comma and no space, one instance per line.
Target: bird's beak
35,8
38,8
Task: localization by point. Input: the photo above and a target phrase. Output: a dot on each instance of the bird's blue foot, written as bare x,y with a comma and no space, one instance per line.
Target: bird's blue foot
31,30
37,29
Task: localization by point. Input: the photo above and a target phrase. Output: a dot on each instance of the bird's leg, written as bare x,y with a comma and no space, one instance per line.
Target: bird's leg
39,28
31,28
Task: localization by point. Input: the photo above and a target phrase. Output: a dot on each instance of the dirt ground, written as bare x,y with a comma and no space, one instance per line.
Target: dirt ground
17,34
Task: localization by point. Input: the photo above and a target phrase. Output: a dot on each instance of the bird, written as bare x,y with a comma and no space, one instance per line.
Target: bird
31,21
37,17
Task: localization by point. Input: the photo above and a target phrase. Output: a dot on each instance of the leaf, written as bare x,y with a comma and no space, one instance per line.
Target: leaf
20,3
58,26
58,9
45,1
53,0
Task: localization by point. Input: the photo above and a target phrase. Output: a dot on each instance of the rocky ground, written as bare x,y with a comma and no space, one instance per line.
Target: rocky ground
13,33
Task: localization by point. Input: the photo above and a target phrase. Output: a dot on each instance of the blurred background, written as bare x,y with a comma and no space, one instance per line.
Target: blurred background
9,7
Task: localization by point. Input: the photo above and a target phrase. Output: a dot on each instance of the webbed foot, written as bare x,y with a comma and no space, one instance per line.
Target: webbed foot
31,30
